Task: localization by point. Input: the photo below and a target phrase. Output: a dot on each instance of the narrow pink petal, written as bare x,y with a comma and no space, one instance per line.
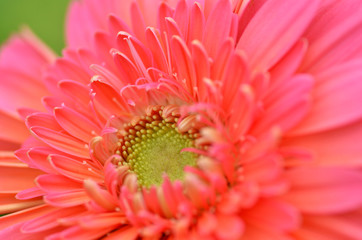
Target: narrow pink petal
62,142
138,23
335,99
37,157
12,129
106,100
67,199
22,63
41,119
65,69
75,169
102,220
333,226
24,215
236,73
80,233
275,215
154,43
81,98
325,190
229,227
274,30
50,220
217,27
334,35
223,56
76,124
25,178
99,195
289,108
287,66
29,193
128,232
197,23
86,17
336,147
56,183
10,204
202,64
184,63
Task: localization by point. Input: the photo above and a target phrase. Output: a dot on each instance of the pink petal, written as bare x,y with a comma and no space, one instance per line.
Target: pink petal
67,199
274,29
22,62
57,183
184,63
25,178
50,220
275,215
229,227
12,129
130,233
217,27
62,142
9,204
86,17
289,108
24,215
75,169
334,36
76,124
335,99
336,147
325,190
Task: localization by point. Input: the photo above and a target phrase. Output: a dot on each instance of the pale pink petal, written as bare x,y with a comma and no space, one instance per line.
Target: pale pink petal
217,27
274,29
22,63
335,147
325,190
86,17
334,35
335,99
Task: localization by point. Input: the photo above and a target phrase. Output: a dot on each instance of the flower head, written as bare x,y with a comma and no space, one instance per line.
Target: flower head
186,119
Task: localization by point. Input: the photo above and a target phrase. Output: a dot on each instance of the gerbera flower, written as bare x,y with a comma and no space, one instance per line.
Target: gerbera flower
186,119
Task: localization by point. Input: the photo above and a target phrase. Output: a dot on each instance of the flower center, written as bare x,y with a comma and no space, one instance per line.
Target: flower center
152,145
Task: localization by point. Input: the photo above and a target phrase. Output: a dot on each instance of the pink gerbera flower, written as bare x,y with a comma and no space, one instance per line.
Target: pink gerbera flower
186,119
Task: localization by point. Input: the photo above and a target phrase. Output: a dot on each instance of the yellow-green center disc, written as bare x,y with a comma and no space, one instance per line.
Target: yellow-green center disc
155,150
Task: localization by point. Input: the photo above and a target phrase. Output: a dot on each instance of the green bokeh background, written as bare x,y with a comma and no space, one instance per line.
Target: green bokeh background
45,18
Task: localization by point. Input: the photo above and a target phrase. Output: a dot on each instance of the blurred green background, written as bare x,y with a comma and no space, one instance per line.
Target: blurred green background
45,18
